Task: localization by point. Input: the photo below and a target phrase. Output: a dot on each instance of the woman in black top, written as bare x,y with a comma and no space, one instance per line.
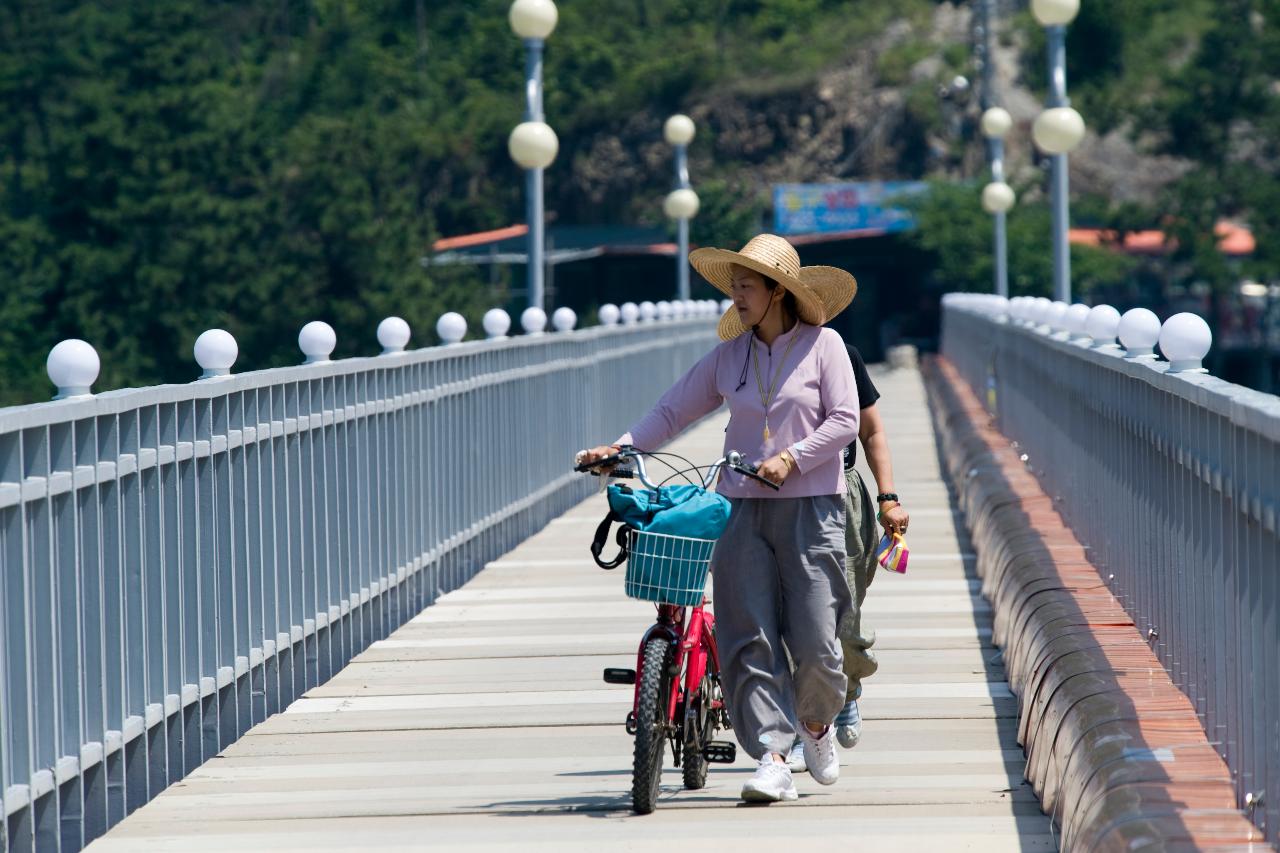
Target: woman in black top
861,539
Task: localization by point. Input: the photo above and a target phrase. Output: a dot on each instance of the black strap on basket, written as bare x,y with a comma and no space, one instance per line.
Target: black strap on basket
602,534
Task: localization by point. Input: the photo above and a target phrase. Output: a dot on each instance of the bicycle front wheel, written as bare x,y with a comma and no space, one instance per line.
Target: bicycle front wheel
651,725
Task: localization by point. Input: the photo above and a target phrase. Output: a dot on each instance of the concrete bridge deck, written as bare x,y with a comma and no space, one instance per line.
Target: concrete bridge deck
483,723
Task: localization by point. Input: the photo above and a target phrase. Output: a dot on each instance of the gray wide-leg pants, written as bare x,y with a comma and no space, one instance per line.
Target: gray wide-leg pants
779,577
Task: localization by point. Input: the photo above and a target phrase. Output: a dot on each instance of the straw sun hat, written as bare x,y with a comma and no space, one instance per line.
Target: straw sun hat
821,292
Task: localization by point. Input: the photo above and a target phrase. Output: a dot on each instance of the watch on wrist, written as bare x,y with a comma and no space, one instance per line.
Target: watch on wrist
887,496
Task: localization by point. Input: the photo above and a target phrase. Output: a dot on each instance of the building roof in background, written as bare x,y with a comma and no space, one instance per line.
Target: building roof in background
567,243
1233,239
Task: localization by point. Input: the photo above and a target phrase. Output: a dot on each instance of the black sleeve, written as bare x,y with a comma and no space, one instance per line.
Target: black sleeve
867,393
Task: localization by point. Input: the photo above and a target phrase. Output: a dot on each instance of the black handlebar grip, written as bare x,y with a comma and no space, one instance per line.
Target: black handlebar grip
599,463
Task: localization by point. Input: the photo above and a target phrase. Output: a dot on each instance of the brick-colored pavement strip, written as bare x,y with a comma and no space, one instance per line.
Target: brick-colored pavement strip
1115,750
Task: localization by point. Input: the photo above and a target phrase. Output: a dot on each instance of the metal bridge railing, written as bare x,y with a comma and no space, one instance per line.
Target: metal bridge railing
178,563
1172,479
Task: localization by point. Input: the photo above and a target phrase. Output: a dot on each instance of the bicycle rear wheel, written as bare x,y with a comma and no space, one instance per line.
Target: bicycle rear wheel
698,724
651,725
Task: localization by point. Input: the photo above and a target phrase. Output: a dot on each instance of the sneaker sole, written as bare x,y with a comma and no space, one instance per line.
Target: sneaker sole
831,780
751,795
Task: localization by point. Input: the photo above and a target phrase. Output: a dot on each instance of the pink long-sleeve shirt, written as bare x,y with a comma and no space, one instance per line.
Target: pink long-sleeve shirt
814,412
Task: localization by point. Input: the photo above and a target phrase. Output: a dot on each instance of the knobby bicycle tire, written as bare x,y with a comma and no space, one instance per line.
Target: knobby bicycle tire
697,734
651,725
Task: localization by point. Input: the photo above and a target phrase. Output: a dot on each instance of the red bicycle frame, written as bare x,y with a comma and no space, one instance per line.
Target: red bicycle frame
693,642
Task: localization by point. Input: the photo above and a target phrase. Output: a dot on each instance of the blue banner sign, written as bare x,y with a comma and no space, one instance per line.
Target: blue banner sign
818,208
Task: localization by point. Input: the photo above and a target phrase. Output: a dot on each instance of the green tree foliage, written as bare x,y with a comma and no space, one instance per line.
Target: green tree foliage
167,167
959,235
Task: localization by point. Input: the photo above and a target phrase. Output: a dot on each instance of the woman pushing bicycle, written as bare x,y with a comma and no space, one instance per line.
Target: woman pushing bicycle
778,569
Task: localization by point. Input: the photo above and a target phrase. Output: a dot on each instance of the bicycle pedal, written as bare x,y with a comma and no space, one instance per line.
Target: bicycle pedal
720,752
613,675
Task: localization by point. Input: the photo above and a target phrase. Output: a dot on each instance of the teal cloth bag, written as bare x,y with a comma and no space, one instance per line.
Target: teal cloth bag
682,510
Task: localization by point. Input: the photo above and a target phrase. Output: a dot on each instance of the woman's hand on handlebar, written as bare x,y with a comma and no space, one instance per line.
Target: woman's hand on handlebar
775,469
595,454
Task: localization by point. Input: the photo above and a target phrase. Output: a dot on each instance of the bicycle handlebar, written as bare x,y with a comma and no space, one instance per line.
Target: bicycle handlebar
732,460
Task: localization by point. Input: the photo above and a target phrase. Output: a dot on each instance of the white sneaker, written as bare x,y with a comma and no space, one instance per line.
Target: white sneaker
849,725
820,755
795,758
771,783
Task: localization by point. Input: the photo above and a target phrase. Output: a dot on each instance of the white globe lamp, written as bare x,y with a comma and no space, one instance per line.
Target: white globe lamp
215,351
496,323
533,321
1055,13
678,130
1139,330
998,197
681,204
451,328
1185,340
393,334
317,340
533,145
996,122
1102,324
73,367
1077,316
533,19
564,319
1058,130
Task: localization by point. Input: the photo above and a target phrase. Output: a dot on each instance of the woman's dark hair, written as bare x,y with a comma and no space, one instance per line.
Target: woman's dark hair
788,298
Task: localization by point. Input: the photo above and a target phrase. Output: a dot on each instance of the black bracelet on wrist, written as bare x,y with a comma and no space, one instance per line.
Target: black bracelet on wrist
887,496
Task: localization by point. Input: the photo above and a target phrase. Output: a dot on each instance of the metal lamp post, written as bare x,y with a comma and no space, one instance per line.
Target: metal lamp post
533,144
681,204
1057,131
998,197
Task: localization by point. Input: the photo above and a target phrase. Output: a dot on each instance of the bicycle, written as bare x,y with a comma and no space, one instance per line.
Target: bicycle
670,571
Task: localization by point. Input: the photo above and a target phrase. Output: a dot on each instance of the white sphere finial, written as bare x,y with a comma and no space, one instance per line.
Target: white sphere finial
317,340
496,323
1139,330
393,334
564,319
451,327
608,314
630,313
725,305
1185,340
73,367
1102,325
1077,316
679,130
663,310
215,351
534,321
1056,317
533,145
648,312
533,19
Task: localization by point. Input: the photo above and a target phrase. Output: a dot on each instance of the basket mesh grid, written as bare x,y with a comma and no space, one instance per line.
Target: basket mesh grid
668,569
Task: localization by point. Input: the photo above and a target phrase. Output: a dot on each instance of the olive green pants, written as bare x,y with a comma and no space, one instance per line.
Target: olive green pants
860,540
